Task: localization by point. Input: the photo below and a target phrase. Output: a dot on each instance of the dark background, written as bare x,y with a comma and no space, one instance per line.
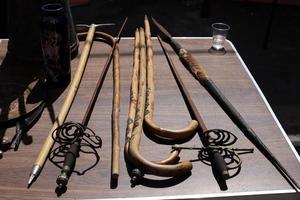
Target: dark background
265,33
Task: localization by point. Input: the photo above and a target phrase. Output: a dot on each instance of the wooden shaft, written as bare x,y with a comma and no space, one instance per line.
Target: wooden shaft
150,73
135,139
41,159
133,150
115,164
133,91
149,124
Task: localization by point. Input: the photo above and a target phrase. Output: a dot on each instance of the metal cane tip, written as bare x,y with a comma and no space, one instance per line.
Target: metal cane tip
30,180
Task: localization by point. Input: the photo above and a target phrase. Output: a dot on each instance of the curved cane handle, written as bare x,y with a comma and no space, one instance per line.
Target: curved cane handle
172,134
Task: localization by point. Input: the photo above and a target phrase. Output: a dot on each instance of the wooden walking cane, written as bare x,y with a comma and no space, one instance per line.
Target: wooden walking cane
174,156
48,144
133,142
133,92
115,158
149,125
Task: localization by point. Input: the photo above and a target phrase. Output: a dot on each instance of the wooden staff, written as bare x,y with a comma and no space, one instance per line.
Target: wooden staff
149,124
134,142
133,91
115,157
48,144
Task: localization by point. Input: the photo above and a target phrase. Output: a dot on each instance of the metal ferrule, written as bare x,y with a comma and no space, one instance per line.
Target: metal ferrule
35,170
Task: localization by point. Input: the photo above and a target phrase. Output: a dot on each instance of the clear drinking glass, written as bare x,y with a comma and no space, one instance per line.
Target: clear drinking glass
219,32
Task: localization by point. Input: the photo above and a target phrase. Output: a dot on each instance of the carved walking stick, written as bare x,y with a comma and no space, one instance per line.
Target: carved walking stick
132,150
149,124
173,158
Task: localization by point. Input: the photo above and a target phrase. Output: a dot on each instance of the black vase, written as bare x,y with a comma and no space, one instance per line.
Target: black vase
55,41
23,24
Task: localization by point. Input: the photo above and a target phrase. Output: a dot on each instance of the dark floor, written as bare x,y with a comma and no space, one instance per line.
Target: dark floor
275,68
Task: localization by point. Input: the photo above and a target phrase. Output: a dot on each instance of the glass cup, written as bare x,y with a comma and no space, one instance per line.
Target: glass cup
219,32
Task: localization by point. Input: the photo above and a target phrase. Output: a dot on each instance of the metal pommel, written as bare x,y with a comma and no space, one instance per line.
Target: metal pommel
136,176
62,180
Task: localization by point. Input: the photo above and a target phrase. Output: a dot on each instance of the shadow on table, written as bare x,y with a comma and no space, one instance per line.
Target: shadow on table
24,94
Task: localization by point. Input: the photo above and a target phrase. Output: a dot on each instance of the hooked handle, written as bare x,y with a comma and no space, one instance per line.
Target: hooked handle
189,61
218,164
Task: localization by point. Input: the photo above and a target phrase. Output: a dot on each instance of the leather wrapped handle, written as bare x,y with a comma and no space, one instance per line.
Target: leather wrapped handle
71,156
218,164
192,65
69,164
